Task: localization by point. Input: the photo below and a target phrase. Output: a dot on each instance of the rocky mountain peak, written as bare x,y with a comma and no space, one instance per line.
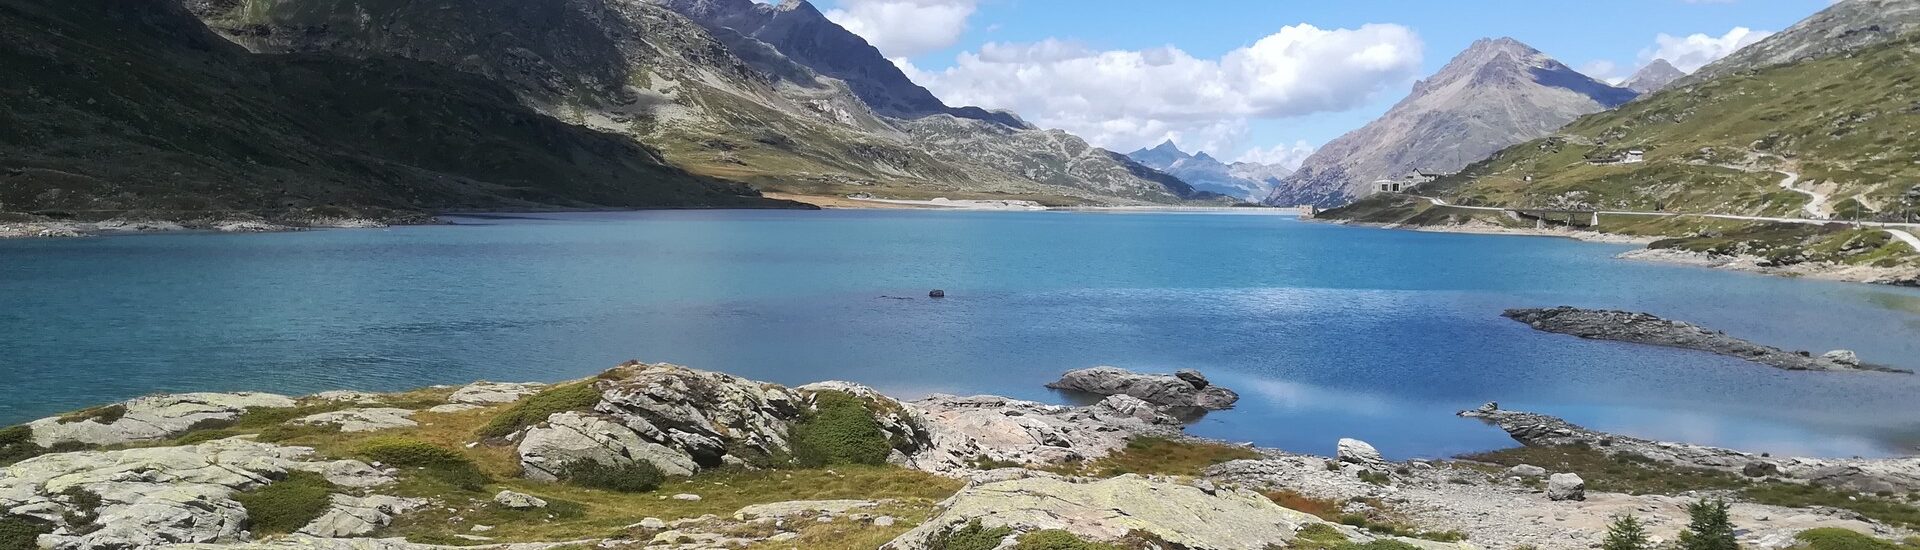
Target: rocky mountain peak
1843,27
1497,92
1653,77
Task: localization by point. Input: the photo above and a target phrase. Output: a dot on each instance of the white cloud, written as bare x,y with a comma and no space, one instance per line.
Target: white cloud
1289,156
1604,70
1125,99
1690,53
905,28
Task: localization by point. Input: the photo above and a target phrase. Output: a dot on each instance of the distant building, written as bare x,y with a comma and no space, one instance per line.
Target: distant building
1406,183
1630,156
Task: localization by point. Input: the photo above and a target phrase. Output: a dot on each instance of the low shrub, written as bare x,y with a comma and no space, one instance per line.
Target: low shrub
83,509
840,430
106,414
1165,456
971,536
16,444
638,476
286,505
1376,478
438,463
1055,539
577,396
19,533
1831,538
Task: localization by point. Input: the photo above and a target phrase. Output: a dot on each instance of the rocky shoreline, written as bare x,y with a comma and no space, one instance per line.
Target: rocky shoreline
70,229
1642,328
188,471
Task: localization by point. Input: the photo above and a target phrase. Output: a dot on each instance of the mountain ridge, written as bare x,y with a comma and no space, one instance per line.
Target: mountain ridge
1654,77
1244,180
1495,93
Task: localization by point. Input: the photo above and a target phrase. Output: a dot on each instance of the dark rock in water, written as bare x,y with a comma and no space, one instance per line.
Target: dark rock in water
937,294
1642,328
1159,389
1194,377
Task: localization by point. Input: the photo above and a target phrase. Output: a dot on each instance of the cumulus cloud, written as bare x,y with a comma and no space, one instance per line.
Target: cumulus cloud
1690,53
1124,99
905,28
1289,156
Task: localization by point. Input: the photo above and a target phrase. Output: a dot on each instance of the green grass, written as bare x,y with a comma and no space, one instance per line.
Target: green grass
971,536
1055,539
286,505
1321,536
1841,539
105,414
435,462
576,396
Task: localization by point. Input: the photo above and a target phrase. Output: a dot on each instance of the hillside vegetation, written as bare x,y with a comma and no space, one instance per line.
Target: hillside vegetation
135,109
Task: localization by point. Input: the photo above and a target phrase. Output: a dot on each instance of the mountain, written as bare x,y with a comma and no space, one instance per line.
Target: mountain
713,100
1653,77
1846,26
801,33
1824,137
1496,93
1242,180
135,109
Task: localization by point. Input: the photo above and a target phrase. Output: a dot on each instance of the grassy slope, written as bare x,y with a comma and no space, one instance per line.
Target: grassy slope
134,106
1845,123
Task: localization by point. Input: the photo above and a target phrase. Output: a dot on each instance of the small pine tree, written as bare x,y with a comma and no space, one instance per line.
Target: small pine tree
1708,527
1626,533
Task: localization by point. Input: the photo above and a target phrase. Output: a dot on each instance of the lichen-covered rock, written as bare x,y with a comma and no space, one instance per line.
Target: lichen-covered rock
778,510
965,431
494,393
684,420
1112,509
1187,390
518,500
362,420
160,495
352,516
151,418
1527,471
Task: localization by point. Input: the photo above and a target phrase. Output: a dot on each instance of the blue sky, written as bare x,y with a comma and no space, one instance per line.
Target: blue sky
933,37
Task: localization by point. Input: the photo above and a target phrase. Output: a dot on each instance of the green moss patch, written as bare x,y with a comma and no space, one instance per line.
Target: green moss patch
436,463
286,505
840,430
19,533
1165,456
106,414
577,396
1055,539
972,536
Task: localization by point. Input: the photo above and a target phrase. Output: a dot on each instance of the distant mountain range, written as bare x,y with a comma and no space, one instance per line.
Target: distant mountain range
1249,181
1496,93
1843,27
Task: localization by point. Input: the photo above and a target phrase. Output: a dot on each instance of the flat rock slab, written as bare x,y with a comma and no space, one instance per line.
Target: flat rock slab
1109,510
362,420
152,418
800,507
494,393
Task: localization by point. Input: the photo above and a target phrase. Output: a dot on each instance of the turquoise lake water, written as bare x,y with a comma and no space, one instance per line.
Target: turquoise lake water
1326,331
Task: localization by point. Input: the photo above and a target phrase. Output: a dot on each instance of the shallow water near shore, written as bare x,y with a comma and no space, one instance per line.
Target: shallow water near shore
1326,331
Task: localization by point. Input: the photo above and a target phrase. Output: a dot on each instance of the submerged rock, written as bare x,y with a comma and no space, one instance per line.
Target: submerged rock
1642,328
1187,389
149,418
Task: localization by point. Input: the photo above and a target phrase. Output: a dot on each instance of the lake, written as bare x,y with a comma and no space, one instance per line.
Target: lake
1326,331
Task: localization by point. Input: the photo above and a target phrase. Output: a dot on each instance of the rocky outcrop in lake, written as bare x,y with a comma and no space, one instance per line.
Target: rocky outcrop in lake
1861,475
1187,388
1643,328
